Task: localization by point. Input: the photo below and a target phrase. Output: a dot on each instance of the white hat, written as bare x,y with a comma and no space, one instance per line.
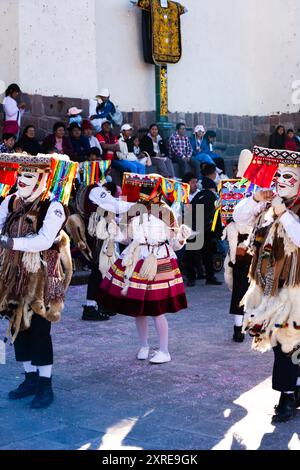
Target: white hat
199,128
104,92
126,127
244,161
73,111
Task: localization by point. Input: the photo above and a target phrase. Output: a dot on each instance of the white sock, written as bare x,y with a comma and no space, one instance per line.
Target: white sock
298,382
91,303
28,367
45,371
142,329
162,328
238,320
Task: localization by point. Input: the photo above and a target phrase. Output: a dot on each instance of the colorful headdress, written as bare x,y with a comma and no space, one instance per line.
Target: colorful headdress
61,172
265,163
136,187
93,172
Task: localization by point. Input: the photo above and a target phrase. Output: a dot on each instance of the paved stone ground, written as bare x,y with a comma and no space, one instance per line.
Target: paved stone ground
215,394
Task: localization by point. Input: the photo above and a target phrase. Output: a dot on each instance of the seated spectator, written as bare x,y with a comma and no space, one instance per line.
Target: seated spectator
135,147
74,115
104,111
9,141
80,143
154,146
94,154
87,130
125,156
18,147
208,149
58,141
180,149
277,139
198,157
28,142
108,141
290,141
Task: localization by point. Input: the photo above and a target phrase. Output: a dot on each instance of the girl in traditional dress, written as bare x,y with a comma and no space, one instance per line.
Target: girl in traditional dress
145,280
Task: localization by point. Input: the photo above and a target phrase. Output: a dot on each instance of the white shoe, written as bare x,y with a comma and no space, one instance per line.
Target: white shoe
143,353
160,357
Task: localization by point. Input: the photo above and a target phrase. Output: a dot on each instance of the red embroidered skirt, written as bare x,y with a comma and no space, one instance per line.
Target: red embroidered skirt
152,298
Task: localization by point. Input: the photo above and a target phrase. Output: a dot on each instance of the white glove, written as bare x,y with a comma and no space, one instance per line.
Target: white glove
278,205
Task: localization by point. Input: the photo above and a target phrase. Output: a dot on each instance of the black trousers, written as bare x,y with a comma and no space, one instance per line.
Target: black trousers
207,255
35,344
192,263
94,283
285,373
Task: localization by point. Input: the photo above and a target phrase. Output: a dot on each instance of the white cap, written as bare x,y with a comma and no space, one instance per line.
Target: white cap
126,127
104,92
74,111
199,128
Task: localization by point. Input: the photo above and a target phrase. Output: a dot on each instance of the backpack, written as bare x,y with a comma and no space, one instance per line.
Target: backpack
117,117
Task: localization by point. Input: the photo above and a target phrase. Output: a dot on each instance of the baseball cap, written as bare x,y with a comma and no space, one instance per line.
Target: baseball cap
126,127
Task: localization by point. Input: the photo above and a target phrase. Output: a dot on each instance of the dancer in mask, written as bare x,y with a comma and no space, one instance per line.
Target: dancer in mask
145,280
35,262
271,303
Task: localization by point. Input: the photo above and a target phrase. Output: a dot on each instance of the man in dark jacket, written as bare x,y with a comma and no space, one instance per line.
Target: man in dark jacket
207,196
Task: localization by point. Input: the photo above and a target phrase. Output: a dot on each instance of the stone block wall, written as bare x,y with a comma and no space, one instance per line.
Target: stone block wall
233,132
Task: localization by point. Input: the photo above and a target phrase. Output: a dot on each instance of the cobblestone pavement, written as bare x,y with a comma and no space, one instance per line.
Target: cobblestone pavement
214,394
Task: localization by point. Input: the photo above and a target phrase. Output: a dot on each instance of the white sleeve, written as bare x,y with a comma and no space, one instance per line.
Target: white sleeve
4,212
106,201
45,238
292,227
10,108
247,210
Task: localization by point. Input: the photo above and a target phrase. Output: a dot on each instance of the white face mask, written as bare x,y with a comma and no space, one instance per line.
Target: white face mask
29,186
26,184
287,182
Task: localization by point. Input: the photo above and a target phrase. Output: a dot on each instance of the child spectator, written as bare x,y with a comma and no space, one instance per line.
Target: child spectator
87,130
9,141
94,154
290,142
75,116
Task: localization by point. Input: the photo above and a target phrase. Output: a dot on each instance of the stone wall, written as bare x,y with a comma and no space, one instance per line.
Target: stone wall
233,132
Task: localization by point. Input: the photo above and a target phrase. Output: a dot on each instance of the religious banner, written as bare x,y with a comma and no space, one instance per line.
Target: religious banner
161,31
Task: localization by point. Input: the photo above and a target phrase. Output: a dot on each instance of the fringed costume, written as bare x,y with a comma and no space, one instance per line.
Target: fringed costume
35,262
272,315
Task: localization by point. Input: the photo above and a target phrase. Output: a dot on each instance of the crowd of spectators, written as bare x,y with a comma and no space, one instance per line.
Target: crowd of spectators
102,136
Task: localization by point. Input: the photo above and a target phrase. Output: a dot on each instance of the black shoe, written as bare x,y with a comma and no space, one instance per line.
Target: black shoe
44,394
286,408
297,397
104,311
214,282
93,314
238,336
26,388
191,283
